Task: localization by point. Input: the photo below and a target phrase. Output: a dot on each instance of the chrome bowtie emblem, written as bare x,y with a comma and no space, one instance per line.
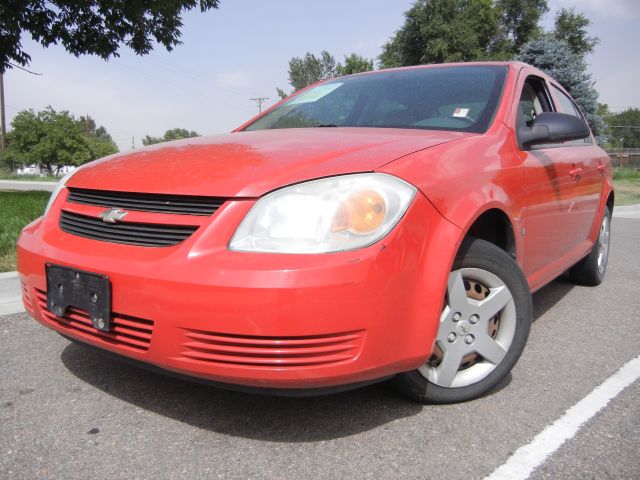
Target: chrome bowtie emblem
113,215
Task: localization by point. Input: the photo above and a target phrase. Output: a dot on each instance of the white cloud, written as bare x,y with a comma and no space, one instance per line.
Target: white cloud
237,78
621,9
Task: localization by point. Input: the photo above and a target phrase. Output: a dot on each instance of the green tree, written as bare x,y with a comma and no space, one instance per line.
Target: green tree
354,63
519,20
169,135
437,31
624,128
53,139
96,27
556,58
572,28
304,71
603,112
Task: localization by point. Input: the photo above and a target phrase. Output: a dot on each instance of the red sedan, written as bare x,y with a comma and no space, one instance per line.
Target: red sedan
384,225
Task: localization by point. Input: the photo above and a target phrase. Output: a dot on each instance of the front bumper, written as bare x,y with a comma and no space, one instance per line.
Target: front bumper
261,320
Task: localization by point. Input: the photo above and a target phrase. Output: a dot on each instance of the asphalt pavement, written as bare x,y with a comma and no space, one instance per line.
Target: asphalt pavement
69,412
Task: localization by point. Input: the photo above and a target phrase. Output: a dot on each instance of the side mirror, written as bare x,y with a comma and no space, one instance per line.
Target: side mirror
553,127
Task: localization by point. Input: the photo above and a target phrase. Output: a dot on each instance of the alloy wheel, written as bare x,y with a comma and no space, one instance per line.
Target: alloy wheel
477,327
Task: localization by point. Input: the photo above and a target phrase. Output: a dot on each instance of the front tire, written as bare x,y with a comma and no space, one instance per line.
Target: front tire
483,329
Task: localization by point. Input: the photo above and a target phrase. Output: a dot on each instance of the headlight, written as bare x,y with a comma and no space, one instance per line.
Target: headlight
327,215
57,190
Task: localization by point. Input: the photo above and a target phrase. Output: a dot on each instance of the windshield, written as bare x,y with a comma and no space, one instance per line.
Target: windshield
461,98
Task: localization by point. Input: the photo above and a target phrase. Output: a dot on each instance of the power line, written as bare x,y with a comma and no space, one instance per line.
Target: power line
207,79
182,88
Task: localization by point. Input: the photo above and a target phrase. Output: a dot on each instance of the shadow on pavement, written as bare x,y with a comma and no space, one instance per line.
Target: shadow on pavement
260,417
549,295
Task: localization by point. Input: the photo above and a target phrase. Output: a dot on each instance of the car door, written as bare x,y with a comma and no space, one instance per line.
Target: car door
551,230
590,182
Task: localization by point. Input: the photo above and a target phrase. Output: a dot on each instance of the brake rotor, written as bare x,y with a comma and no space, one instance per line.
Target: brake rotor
476,291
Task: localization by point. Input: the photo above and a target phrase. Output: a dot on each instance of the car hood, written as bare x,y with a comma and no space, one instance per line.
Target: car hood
249,164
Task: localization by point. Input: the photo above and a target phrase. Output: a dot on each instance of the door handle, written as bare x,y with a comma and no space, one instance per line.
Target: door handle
576,173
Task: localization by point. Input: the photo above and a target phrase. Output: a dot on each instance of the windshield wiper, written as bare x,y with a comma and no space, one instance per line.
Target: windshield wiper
324,125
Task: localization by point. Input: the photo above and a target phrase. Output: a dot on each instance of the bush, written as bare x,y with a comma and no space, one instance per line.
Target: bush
626,173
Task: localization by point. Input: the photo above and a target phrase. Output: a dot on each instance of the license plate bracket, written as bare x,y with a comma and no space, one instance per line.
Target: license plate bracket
69,287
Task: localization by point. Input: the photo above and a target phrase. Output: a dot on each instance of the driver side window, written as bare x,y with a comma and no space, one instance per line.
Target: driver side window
533,101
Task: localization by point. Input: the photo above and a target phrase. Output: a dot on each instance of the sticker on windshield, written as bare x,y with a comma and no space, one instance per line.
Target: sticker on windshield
460,112
315,94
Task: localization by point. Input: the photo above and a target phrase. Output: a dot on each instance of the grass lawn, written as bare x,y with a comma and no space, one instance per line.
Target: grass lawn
627,192
18,209
627,184
12,176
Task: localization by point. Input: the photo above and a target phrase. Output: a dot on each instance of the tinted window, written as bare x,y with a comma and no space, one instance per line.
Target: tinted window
565,103
461,98
533,101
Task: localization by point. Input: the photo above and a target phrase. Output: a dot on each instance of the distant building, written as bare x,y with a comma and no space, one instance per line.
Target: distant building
36,170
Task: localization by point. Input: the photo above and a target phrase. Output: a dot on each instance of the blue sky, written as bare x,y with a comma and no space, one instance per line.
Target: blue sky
242,51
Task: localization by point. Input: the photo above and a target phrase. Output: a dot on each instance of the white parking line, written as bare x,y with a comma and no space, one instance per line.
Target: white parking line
529,457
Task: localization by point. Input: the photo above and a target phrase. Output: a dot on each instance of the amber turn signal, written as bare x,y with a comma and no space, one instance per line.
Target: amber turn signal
362,212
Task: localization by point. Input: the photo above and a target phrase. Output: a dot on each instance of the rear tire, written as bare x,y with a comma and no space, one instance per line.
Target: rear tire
591,269
479,339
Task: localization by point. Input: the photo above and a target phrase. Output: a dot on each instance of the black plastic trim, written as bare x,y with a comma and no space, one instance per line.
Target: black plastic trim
147,202
130,233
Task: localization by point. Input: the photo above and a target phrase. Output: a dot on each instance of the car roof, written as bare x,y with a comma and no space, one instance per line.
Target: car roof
512,64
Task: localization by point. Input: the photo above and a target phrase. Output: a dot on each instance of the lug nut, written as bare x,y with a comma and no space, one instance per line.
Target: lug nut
451,337
457,316
473,319
469,339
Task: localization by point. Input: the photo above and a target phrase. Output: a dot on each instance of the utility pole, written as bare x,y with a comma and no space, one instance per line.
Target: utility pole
3,143
260,101
3,140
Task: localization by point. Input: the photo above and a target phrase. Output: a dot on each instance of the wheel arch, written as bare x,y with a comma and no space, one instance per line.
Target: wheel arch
610,201
494,226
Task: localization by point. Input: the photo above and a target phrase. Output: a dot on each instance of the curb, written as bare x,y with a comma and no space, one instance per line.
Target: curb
10,294
627,211
27,185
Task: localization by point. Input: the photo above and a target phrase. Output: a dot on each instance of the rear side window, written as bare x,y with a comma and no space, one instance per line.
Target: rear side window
568,106
565,103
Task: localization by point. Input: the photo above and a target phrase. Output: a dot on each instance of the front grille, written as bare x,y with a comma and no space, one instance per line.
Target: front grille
147,202
127,332
314,350
131,233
